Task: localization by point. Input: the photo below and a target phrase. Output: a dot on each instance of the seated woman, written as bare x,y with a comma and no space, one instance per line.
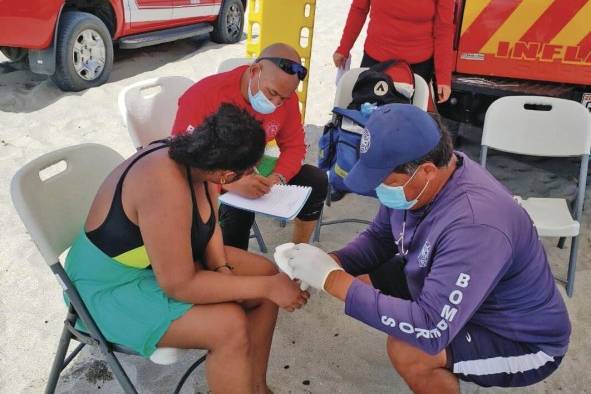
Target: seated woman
151,265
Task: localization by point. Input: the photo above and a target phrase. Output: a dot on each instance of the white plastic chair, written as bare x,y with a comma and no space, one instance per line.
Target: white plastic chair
343,97
232,63
149,107
551,127
344,93
53,209
421,96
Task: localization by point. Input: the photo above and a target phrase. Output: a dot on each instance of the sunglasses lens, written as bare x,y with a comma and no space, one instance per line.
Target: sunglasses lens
302,72
298,69
289,66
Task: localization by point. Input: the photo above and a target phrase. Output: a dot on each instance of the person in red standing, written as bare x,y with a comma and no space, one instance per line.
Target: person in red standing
419,32
266,90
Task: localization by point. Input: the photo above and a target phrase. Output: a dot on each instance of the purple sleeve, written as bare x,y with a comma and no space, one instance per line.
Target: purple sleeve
467,264
371,248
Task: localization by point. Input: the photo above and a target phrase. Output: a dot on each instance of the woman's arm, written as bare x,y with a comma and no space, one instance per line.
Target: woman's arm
355,20
443,33
215,256
164,210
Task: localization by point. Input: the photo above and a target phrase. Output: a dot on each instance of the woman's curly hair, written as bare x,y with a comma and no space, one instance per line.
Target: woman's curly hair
230,139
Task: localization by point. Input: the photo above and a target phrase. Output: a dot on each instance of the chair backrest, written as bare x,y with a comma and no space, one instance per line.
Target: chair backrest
537,126
421,96
53,201
344,93
230,64
149,107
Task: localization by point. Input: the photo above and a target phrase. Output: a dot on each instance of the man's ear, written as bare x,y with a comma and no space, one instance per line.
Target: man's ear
254,69
431,170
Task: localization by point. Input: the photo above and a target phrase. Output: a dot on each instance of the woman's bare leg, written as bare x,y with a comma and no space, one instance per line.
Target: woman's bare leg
261,314
223,329
238,337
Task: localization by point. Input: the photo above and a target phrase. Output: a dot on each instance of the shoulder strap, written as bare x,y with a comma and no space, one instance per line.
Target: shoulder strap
142,154
352,114
190,180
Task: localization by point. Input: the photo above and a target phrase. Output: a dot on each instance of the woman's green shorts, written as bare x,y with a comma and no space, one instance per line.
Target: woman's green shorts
126,303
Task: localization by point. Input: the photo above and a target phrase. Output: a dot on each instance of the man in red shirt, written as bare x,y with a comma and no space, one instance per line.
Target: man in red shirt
266,89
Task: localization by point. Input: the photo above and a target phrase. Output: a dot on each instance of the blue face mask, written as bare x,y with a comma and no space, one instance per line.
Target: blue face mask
393,196
259,101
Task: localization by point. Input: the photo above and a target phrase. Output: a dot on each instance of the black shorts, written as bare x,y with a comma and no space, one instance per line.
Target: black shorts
477,354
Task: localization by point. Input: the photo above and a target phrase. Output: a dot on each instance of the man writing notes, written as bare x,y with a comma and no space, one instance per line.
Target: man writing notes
266,89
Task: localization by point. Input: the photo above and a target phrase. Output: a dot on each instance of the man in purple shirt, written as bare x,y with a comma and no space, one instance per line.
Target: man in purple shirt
457,276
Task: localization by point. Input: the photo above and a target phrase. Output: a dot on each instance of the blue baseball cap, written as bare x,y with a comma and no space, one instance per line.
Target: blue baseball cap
394,134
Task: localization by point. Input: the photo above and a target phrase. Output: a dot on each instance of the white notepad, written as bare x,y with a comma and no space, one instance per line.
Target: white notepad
283,201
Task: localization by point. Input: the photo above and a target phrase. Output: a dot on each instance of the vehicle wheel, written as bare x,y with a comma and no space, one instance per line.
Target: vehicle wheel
14,54
230,23
84,52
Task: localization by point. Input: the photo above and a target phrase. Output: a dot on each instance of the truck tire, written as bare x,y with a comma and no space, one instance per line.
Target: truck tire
84,52
227,29
14,54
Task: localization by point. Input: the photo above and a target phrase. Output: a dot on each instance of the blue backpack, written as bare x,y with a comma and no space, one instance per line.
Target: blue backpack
339,144
339,147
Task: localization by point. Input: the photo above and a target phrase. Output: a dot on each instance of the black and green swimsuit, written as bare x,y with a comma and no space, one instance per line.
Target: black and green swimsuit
109,267
121,239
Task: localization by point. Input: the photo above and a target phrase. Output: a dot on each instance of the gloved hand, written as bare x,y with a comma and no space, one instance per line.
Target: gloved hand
311,264
282,262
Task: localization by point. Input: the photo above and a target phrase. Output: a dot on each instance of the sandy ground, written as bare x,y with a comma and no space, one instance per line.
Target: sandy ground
316,350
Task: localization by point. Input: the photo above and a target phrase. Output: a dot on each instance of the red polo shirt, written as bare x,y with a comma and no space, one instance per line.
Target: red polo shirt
409,30
284,124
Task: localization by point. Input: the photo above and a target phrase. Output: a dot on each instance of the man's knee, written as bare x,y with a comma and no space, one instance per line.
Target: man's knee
314,177
409,360
235,224
231,217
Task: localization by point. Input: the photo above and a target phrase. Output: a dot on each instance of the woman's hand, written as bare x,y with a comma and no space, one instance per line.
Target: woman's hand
339,60
250,186
443,93
286,293
224,269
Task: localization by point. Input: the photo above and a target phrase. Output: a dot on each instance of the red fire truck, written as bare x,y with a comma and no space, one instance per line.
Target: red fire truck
517,47
72,40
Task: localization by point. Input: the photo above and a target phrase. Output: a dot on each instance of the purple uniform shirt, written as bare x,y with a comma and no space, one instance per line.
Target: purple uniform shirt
475,257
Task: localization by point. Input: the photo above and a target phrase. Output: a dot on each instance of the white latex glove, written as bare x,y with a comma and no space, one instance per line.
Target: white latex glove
282,262
311,264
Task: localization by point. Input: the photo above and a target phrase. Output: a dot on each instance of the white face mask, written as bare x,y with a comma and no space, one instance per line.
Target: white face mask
393,196
260,103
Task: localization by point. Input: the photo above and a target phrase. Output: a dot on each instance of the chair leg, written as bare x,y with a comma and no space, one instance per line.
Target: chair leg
58,361
561,242
316,237
320,223
120,373
572,266
259,237
328,191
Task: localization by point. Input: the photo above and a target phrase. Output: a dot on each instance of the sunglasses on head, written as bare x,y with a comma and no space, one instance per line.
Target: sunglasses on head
288,66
